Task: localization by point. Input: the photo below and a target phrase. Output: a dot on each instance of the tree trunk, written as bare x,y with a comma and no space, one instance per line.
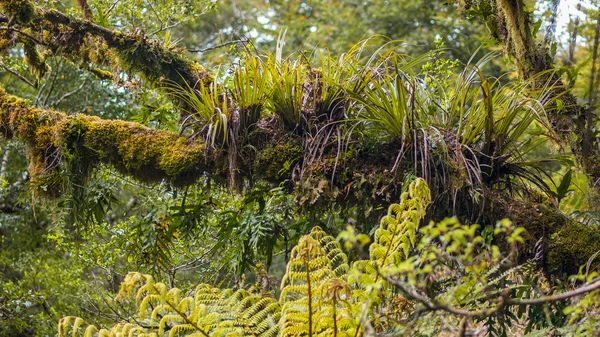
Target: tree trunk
510,23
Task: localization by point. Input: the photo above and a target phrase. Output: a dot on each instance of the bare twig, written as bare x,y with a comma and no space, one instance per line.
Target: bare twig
114,4
70,93
21,77
430,304
244,41
503,300
167,27
556,298
36,40
53,82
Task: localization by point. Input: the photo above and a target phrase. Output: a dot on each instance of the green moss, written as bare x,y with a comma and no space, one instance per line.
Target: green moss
34,59
571,247
101,73
21,10
80,143
567,244
7,41
149,155
277,158
156,64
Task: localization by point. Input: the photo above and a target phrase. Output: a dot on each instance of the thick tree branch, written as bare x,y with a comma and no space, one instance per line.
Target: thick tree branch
83,142
77,144
72,146
84,42
510,23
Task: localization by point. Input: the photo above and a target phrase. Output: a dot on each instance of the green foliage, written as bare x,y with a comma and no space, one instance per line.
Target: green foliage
450,271
464,130
316,294
209,312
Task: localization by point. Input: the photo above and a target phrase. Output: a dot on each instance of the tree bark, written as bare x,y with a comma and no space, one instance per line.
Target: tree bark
85,9
510,23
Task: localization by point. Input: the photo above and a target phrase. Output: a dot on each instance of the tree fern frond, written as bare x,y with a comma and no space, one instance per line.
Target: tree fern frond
320,294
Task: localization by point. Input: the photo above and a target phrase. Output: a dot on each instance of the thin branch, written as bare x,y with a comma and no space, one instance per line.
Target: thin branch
430,304
114,4
53,82
70,93
36,40
165,28
244,41
21,77
556,298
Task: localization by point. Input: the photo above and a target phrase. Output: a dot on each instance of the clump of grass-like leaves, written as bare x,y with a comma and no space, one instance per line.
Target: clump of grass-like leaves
462,121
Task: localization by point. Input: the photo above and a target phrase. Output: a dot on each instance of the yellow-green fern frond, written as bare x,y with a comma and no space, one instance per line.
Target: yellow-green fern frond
315,298
209,311
333,251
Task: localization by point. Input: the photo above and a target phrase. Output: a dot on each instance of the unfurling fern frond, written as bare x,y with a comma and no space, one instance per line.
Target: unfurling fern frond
397,231
395,235
394,238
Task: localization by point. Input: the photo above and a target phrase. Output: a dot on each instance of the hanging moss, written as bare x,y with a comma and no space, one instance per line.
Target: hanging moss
84,42
34,59
7,41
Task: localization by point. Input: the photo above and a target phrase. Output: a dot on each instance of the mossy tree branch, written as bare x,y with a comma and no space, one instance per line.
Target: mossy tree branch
86,141
510,23
85,43
80,143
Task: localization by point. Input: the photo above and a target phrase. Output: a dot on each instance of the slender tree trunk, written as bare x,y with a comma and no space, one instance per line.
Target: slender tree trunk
85,9
589,115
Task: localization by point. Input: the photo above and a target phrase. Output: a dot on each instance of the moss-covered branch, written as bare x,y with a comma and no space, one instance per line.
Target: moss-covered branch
510,23
86,43
74,145
565,243
54,138
360,175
